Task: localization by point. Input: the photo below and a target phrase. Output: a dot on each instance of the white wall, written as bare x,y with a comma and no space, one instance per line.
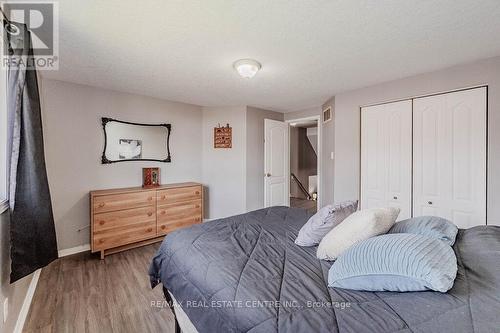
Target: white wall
255,155
74,141
15,292
347,121
224,170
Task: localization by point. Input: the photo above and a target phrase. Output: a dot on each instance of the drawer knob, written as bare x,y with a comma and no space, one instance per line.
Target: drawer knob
162,212
101,222
163,227
101,204
197,219
101,241
149,214
429,202
197,192
395,198
163,197
150,198
197,206
150,229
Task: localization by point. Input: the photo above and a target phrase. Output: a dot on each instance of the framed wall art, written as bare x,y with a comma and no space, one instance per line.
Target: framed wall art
223,137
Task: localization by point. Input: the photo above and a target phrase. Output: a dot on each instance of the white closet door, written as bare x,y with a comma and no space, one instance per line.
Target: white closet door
386,157
449,166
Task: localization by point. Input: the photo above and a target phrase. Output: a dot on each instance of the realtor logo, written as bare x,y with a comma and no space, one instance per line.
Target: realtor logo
41,19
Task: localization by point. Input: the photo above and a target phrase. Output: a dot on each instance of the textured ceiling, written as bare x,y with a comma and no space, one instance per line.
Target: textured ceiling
309,50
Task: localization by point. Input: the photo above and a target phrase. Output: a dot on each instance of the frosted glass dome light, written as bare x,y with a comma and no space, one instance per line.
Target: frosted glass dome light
247,68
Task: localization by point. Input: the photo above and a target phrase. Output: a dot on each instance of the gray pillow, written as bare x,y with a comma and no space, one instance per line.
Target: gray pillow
323,221
395,262
432,226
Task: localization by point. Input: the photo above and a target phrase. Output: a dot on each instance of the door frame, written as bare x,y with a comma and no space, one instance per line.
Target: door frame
319,159
287,163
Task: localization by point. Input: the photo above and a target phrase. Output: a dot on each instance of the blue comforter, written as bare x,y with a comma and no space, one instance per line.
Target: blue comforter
245,274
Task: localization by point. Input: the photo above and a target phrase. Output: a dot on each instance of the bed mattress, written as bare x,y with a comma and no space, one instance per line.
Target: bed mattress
245,274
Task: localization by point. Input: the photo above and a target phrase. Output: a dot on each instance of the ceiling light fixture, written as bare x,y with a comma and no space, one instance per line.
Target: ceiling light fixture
247,68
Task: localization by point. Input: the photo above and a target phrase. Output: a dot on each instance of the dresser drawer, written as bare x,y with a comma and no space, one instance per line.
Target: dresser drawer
115,202
173,216
178,194
107,239
124,218
166,228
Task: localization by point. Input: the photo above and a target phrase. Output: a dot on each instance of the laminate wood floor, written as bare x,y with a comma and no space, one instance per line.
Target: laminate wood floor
82,293
310,205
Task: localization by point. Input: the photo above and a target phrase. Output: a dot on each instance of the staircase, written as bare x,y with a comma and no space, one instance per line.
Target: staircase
301,187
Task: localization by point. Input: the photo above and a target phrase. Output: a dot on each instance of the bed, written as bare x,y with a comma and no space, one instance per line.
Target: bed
245,274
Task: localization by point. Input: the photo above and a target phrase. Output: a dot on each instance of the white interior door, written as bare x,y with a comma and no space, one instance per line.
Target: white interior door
450,156
276,168
386,156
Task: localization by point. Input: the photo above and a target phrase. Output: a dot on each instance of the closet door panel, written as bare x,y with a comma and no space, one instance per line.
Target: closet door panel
398,155
468,161
373,179
450,156
429,150
386,157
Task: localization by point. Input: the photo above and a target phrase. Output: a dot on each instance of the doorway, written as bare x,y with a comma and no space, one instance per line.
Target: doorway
304,163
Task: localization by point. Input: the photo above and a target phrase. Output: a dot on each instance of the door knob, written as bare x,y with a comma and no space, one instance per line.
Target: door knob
268,175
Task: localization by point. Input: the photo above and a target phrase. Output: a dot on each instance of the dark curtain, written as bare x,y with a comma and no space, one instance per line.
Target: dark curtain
32,231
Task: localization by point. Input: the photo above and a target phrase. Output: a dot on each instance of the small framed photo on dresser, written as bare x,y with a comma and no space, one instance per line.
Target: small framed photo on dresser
150,177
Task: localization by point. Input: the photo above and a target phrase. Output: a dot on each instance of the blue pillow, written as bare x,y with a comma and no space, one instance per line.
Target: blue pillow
431,226
395,262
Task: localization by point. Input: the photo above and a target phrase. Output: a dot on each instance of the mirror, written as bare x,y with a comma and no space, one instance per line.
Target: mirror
126,141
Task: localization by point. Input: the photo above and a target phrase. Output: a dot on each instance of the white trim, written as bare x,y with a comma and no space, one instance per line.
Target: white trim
267,123
442,92
319,160
23,314
4,205
74,250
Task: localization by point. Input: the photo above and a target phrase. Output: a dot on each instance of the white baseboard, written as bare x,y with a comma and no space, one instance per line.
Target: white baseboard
23,314
27,302
74,250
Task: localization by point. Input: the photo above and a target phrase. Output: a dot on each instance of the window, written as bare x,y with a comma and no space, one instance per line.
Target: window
3,141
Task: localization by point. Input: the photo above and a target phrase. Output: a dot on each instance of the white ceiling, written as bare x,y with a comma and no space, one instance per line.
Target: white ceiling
310,50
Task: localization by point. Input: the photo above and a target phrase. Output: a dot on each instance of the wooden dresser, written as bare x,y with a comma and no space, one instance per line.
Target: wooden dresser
125,218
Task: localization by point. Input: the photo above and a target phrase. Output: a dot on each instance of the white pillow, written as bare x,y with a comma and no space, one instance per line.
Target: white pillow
359,226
